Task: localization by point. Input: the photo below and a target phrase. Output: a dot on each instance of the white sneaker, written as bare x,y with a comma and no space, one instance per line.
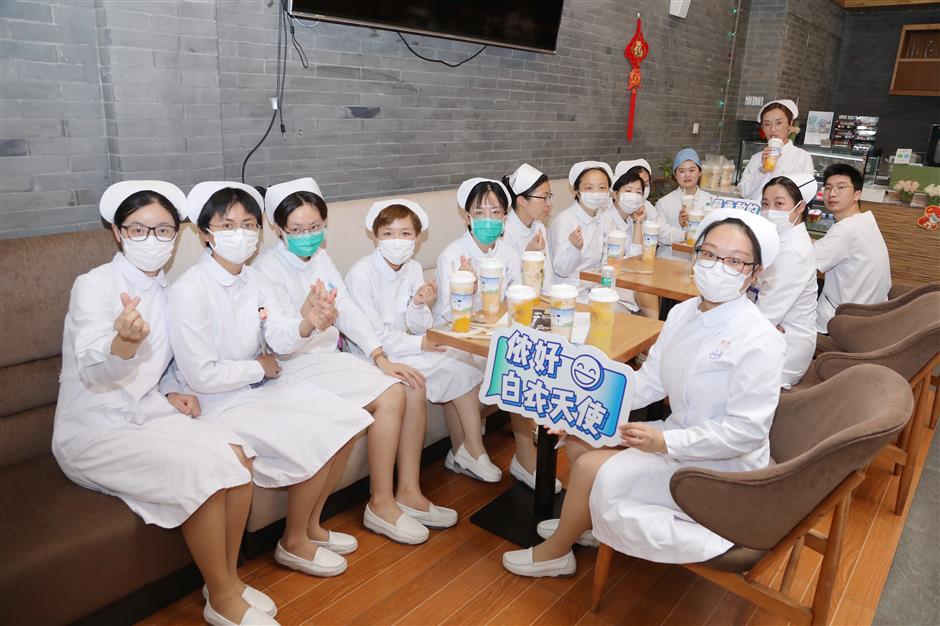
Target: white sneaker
547,528
434,517
252,596
340,543
520,562
325,563
405,529
252,617
519,473
481,468
450,464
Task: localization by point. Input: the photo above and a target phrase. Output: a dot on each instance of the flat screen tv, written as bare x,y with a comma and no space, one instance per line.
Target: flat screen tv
525,24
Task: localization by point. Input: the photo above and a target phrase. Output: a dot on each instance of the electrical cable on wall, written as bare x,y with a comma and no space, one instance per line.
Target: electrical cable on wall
442,62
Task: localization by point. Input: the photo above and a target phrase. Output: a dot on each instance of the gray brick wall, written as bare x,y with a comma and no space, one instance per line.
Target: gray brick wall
107,90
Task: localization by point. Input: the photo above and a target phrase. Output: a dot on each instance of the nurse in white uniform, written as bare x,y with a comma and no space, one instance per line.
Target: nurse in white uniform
627,214
389,287
300,271
578,236
687,170
120,432
852,254
225,327
775,119
718,360
531,207
787,291
485,204
641,167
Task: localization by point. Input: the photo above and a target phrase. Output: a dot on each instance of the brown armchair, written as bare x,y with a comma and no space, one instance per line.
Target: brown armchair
905,339
821,439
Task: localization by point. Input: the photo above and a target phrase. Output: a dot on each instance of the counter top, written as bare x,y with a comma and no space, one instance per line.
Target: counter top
914,251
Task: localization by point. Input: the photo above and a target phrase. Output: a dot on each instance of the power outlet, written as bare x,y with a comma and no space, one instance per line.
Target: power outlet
695,128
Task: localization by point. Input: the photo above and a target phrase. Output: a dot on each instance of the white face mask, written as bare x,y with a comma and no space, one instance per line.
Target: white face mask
235,246
630,202
716,284
148,255
780,219
595,200
397,251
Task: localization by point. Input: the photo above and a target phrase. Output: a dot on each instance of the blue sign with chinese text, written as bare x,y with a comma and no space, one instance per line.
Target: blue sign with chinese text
542,376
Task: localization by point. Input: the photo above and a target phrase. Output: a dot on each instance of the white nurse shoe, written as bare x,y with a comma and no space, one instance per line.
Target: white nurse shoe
547,528
252,617
435,517
340,543
405,529
519,473
252,596
481,468
325,563
520,562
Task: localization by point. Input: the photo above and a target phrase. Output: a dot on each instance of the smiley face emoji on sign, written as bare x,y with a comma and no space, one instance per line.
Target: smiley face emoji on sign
587,372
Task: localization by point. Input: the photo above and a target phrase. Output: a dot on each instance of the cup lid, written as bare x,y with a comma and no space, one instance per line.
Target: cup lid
492,264
563,290
603,294
775,142
533,255
615,234
520,292
688,196
461,277
650,228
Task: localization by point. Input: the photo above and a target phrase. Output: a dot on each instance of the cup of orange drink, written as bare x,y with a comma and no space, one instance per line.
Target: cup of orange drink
462,286
520,300
491,287
533,269
650,241
616,240
563,297
602,301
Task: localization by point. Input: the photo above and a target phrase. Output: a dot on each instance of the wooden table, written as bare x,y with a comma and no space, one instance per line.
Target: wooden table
684,248
514,514
670,279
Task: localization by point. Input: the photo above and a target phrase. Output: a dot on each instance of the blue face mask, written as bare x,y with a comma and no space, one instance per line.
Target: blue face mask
305,245
486,230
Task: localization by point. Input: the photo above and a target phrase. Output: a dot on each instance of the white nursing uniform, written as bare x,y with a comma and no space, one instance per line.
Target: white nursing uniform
449,262
667,214
787,298
854,258
115,432
215,331
721,372
319,358
517,235
792,160
385,296
567,260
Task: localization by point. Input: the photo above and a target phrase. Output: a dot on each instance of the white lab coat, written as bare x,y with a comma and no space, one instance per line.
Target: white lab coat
854,258
115,432
568,261
215,331
787,298
721,372
319,359
517,236
667,214
792,160
449,262
386,297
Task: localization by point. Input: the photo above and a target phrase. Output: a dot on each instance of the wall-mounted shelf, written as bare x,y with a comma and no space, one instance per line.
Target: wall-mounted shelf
917,64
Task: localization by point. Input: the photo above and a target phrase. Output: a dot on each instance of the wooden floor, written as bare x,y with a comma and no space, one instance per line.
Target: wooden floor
457,577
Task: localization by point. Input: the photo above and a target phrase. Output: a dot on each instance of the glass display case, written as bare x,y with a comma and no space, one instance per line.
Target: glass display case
822,158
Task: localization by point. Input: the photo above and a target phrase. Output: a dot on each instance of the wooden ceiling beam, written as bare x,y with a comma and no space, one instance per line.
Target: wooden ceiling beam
871,4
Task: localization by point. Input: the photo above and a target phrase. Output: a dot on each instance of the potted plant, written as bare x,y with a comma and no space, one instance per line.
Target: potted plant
906,189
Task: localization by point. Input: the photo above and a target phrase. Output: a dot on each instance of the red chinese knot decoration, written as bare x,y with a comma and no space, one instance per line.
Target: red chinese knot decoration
635,52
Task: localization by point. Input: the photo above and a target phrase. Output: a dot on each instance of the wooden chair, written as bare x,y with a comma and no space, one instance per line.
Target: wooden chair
905,338
821,439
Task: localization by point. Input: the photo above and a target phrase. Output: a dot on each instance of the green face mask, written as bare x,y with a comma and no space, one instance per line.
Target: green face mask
486,230
306,244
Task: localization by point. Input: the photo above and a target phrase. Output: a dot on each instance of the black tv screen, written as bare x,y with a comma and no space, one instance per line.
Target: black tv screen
526,24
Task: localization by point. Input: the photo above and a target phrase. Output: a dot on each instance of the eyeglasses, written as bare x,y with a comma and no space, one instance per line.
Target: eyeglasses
835,188
139,232
731,265
230,226
487,212
774,125
297,230
547,197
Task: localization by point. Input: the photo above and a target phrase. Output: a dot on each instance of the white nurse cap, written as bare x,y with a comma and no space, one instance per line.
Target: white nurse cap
200,194
414,207
523,178
625,166
762,228
807,185
463,192
789,104
578,168
117,193
275,194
